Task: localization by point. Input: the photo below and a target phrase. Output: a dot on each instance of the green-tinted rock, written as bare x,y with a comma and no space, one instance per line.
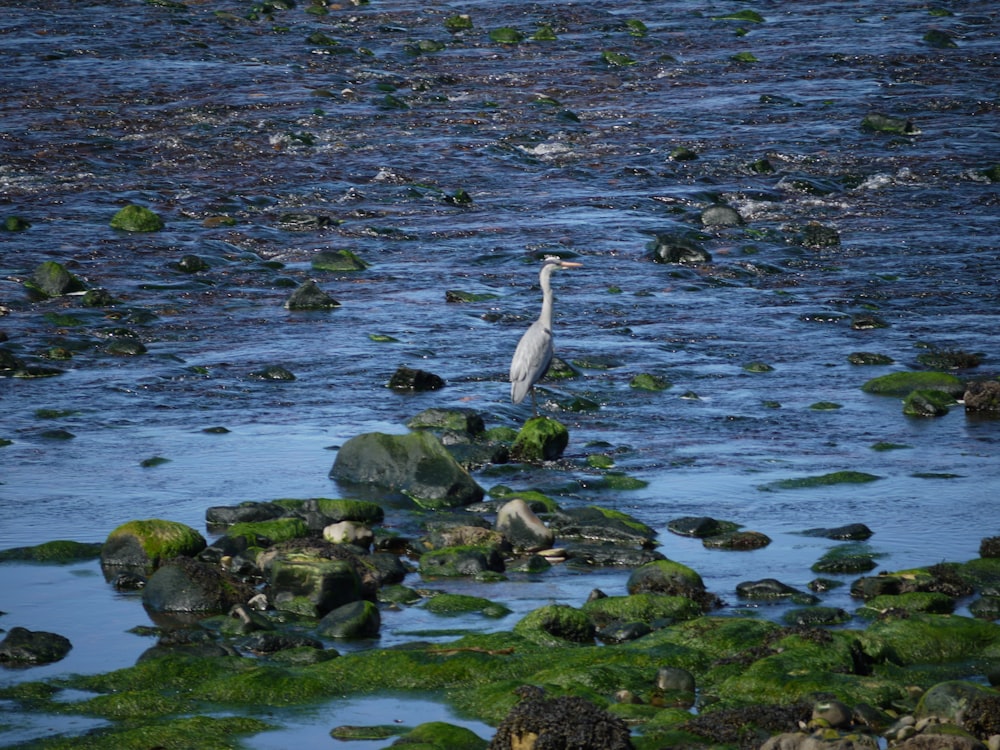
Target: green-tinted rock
459,604
148,544
308,296
811,617
916,601
556,625
737,540
879,123
310,585
822,480
901,383
51,279
268,533
666,577
758,367
14,224
646,608
61,551
338,261
926,403
461,561
439,735
540,439
846,558
931,639
360,619
455,420
134,218
506,35
335,510
648,382
416,464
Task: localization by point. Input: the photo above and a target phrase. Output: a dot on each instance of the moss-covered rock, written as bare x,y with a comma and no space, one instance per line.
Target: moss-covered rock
184,585
915,601
666,577
147,544
853,557
556,625
931,639
360,619
540,439
134,218
52,279
60,551
439,735
460,604
927,403
902,383
652,609
268,533
821,480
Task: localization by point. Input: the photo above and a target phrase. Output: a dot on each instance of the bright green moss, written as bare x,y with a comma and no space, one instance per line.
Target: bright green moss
267,533
458,604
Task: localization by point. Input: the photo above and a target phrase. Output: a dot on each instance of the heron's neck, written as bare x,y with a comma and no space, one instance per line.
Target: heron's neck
546,316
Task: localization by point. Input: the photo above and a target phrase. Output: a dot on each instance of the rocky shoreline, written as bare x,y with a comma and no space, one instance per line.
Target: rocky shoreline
253,619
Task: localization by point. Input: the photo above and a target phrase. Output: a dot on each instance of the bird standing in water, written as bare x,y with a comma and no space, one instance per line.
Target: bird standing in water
534,351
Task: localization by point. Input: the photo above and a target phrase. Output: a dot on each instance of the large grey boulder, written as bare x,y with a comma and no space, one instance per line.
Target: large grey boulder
416,464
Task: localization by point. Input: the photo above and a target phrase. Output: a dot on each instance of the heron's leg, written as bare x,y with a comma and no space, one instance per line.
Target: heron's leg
534,401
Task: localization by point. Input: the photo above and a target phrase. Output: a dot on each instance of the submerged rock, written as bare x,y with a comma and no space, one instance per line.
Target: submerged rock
771,589
134,218
416,464
667,248
360,619
22,646
51,279
308,296
409,379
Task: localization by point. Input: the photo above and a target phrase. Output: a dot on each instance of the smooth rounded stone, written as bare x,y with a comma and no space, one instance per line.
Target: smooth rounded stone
721,216
360,619
833,713
983,396
191,264
416,464
666,577
566,721
522,528
869,358
185,585
22,646
675,678
309,296
349,532
772,589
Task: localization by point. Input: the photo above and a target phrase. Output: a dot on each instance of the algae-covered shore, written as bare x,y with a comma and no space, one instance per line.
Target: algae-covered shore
267,616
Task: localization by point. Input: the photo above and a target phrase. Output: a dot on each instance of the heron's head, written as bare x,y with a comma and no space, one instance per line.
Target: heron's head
556,263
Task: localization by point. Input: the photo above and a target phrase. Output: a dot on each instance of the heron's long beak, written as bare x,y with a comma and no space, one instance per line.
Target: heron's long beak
570,264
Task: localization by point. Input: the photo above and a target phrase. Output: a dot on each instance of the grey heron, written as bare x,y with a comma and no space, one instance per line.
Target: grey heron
534,351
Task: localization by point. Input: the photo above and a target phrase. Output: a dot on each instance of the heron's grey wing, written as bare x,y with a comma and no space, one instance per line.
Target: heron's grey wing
531,360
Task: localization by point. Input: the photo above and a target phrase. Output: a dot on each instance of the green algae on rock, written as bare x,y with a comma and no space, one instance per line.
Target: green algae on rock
459,604
902,383
59,551
440,735
540,439
822,480
556,625
52,279
147,544
135,218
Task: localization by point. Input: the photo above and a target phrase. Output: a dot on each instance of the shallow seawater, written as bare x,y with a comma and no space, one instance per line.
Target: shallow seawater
265,137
